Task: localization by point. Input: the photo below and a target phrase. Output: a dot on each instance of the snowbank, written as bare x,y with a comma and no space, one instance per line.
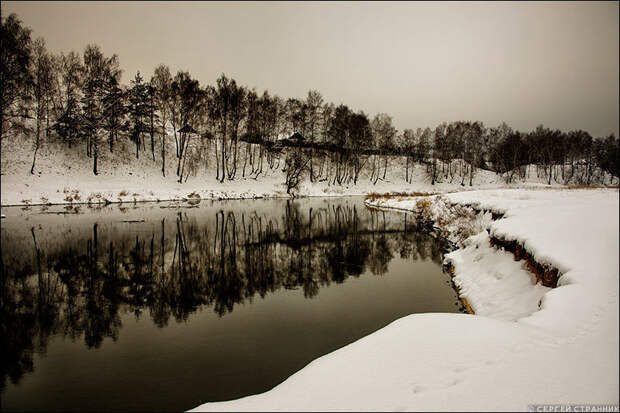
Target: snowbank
566,352
493,283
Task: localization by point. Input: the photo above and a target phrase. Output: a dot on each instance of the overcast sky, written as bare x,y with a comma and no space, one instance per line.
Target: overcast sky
422,63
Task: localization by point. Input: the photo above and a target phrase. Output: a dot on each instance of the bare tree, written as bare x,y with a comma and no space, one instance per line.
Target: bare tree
162,82
190,96
383,133
314,103
114,108
15,78
95,66
295,165
71,75
238,106
42,87
407,146
138,110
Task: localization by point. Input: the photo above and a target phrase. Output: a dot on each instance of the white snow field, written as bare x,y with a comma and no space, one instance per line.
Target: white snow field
527,344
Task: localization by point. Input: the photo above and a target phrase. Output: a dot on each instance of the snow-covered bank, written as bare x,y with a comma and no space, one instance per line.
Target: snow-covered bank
128,185
492,282
65,176
566,352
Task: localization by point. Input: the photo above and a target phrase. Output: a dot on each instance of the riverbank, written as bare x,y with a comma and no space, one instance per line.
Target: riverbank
75,189
516,350
64,176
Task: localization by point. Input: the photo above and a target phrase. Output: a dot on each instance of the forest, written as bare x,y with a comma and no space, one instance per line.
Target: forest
78,100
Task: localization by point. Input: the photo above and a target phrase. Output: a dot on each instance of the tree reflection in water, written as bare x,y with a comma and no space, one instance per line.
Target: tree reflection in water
181,262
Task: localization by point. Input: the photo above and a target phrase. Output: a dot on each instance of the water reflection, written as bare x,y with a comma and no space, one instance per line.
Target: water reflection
74,282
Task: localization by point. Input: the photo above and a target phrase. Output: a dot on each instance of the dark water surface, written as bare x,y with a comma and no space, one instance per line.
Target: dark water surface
186,304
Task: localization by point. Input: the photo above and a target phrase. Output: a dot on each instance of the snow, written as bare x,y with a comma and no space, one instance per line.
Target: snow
61,173
510,354
526,344
493,283
575,231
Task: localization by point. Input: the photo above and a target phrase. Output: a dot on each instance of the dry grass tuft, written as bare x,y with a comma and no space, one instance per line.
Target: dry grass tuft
423,206
373,196
569,187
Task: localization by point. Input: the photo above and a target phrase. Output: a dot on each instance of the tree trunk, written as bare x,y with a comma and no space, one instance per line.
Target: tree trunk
311,169
176,141
47,120
181,152
245,160
407,168
184,157
95,154
152,129
217,160
222,177
36,145
385,168
163,149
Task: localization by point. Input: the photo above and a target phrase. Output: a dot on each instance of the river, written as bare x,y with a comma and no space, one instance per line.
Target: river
164,306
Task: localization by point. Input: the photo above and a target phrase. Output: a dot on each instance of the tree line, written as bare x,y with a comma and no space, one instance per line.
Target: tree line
78,99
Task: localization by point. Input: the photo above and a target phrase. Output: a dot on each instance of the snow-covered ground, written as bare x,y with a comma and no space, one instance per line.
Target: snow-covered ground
527,344
64,175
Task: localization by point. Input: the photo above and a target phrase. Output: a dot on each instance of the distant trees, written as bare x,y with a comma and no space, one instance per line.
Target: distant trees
360,138
189,99
423,145
93,90
407,145
67,125
512,152
608,154
314,104
238,102
114,106
138,110
439,150
42,88
220,108
339,134
384,134
494,136
161,83
473,138
252,128
79,100
15,74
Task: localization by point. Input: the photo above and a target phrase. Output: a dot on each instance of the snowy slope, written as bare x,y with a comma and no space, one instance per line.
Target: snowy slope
61,173
566,352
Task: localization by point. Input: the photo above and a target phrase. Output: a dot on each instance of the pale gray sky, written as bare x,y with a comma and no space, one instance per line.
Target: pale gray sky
422,63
